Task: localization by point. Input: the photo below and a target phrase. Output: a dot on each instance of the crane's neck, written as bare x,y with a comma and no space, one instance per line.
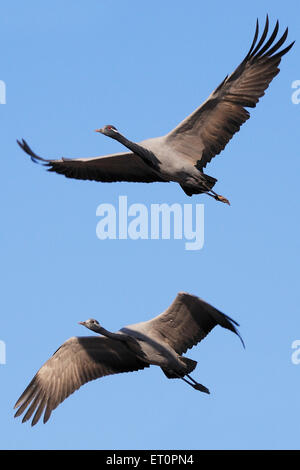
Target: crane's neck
109,334
146,155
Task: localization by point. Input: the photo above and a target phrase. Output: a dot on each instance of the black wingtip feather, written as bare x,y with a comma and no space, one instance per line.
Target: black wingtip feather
254,40
35,158
276,46
284,51
225,321
271,39
263,37
260,49
235,330
231,324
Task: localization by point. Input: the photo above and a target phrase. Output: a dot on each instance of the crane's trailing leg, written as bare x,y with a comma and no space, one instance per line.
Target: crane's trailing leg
198,386
195,384
218,197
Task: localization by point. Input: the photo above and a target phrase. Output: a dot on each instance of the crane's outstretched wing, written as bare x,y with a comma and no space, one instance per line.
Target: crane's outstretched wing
187,321
205,133
125,166
77,361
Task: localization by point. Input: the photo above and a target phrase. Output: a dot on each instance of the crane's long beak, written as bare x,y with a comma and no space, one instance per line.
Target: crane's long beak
99,130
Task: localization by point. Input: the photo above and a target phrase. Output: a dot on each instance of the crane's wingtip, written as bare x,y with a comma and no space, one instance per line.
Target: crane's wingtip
35,158
232,325
238,333
242,341
20,143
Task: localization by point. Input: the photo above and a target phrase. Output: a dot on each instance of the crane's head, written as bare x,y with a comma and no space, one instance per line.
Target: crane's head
109,130
91,324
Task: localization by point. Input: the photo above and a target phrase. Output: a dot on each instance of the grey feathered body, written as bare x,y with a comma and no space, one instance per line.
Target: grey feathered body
177,166
153,350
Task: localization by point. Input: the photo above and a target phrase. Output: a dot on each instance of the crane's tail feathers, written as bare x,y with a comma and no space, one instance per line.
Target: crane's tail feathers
190,364
206,184
169,374
209,181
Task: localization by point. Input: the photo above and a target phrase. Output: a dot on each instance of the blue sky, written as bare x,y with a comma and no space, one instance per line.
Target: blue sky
70,67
